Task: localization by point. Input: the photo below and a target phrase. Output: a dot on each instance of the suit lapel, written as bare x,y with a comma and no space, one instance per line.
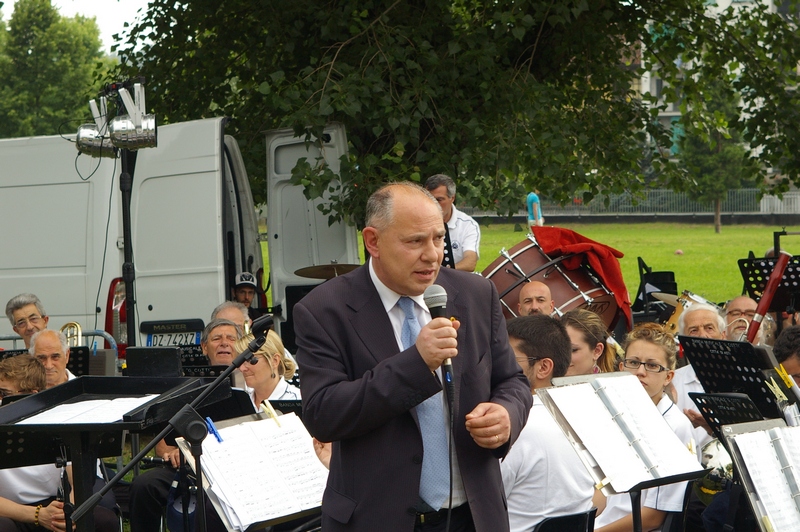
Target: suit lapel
369,319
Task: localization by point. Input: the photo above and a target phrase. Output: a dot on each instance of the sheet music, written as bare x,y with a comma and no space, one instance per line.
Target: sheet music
261,472
88,411
592,422
618,457
768,480
663,446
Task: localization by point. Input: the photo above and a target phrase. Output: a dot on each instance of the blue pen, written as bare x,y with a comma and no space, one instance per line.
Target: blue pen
213,429
94,349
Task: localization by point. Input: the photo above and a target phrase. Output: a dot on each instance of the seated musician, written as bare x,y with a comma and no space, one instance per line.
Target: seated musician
535,297
700,320
591,350
651,355
51,349
542,474
20,375
232,311
739,312
28,495
27,316
149,490
266,380
787,351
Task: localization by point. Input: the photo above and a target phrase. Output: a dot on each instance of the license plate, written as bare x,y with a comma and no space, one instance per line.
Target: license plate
171,339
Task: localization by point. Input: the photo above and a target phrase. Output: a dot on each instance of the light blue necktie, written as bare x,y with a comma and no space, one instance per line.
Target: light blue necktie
434,484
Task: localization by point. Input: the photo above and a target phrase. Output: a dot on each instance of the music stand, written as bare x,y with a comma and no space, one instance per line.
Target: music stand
756,272
724,366
153,362
720,409
78,364
25,445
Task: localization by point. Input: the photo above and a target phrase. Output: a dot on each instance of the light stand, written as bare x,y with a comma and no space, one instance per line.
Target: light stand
126,134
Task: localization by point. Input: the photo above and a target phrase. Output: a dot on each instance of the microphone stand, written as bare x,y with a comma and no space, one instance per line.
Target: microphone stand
184,420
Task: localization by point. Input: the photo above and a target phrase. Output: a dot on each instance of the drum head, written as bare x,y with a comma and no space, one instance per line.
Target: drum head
570,289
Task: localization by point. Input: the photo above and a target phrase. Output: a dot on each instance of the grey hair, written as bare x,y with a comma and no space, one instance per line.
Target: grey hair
694,307
22,300
439,180
62,339
380,204
213,324
231,304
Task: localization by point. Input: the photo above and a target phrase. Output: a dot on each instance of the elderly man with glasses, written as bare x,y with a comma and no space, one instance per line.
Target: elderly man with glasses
739,312
27,316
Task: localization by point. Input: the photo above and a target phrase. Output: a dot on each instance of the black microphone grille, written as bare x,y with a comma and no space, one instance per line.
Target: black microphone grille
435,296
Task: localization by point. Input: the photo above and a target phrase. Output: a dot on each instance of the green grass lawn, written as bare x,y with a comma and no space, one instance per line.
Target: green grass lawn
708,266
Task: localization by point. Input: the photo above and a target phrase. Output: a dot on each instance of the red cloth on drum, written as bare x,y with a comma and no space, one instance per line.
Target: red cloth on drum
557,241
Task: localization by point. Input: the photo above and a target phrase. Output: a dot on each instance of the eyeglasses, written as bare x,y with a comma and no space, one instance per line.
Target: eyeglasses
739,313
33,320
651,367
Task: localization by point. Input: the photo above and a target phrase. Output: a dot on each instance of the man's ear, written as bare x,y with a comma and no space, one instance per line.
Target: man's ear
370,236
545,370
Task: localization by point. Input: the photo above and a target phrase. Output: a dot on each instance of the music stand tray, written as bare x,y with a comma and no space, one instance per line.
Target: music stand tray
724,366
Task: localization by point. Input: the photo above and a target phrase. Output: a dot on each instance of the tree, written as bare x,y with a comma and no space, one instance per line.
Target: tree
47,65
717,162
506,96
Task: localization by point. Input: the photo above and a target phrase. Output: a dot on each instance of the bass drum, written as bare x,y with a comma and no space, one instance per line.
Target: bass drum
570,288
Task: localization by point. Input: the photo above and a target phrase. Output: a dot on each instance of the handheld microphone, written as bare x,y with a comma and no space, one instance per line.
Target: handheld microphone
435,298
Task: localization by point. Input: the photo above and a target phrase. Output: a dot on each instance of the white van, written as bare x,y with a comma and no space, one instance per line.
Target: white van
300,235
193,229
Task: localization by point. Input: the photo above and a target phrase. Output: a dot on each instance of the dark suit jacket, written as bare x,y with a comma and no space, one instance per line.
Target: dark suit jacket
360,392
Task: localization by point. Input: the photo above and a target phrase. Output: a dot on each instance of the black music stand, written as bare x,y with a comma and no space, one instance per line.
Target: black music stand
79,358
153,362
724,366
720,409
756,272
86,442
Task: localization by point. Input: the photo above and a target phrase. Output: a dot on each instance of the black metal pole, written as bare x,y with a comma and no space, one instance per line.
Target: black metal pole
128,276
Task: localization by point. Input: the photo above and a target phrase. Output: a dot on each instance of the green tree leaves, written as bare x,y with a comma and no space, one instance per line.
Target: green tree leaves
505,96
47,64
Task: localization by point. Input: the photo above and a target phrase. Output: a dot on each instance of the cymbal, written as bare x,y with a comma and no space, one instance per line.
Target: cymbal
669,299
325,271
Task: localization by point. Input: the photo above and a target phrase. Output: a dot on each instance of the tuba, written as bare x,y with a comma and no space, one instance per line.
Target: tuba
72,331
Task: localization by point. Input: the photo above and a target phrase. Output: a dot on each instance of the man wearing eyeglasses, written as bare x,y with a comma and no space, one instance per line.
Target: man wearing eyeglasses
738,315
27,316
542,474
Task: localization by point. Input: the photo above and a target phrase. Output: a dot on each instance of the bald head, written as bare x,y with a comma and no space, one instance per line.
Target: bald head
404,237
535,298
50,348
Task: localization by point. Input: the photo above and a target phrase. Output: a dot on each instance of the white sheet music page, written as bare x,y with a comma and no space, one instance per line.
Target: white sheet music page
665,449
88,411
261,472
768,480
618,458
591,421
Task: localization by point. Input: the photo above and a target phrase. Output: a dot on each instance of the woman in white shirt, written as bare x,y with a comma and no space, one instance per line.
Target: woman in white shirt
266,380
651,355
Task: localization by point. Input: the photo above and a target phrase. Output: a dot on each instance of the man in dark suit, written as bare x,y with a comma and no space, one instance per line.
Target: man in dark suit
366,392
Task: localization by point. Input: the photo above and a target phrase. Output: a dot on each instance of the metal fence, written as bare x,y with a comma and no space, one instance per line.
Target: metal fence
662,201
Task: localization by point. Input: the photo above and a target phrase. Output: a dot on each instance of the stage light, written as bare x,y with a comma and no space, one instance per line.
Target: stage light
92,139
90,142
125,134
135,130
132,131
